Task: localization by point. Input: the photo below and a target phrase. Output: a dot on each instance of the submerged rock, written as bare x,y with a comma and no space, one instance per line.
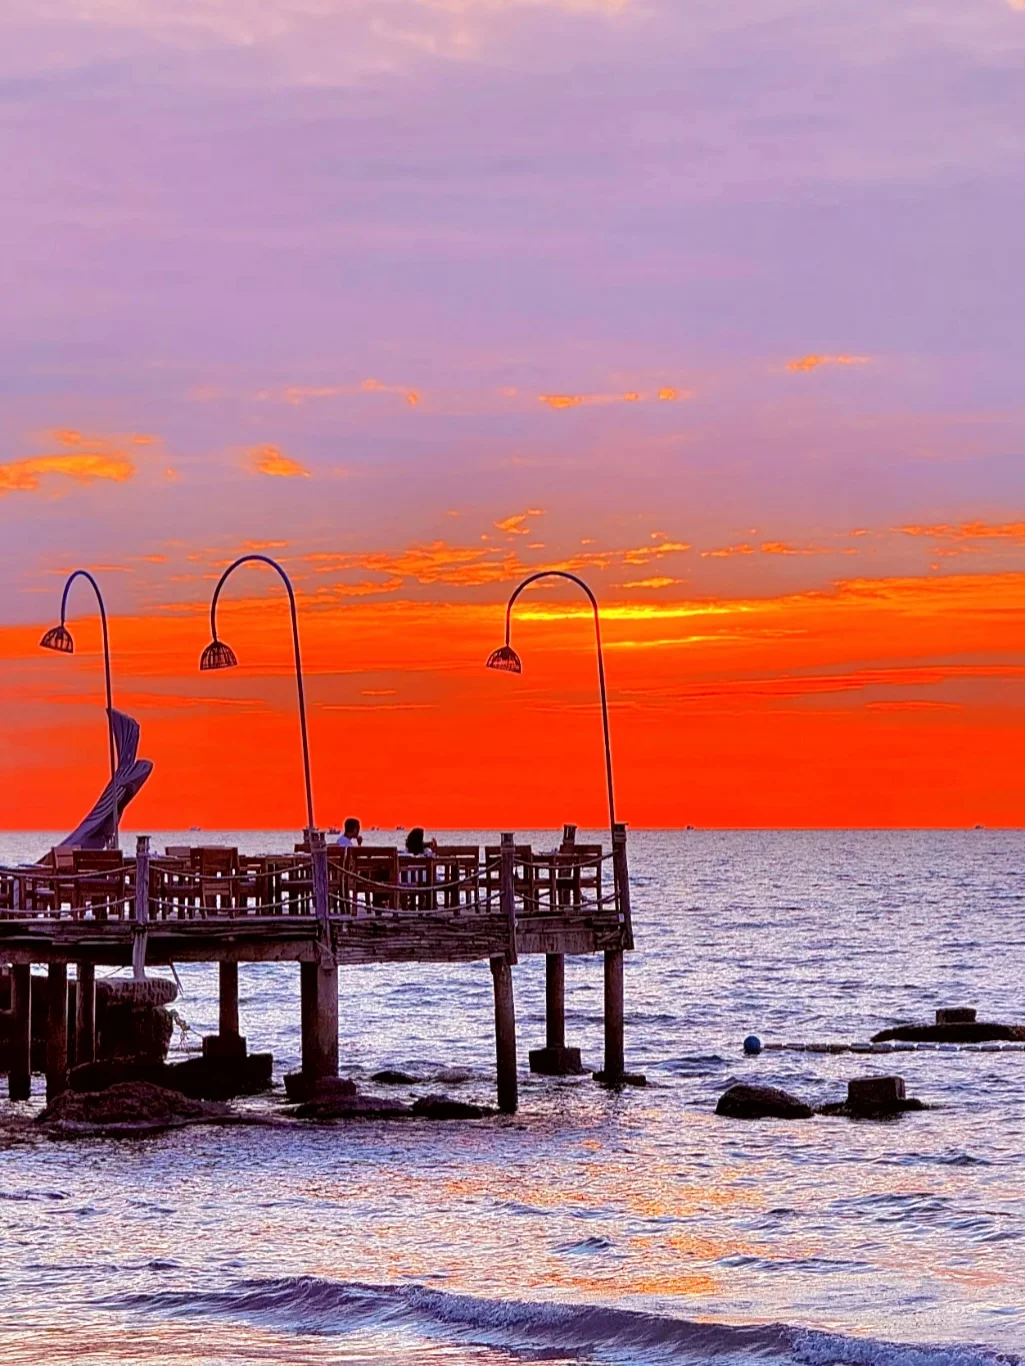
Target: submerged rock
444,1107
389,1077
301,1087
128,1107
967,1031
354,1106
745,1101
201,1078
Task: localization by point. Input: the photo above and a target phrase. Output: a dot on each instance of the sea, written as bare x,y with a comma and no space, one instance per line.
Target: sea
599,1227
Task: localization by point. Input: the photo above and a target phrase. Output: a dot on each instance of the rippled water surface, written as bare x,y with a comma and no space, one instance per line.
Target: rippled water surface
592,1227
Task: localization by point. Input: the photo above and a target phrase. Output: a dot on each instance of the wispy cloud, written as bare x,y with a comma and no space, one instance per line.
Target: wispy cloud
517,524
726,552
665,395
659,581
813,362
374,386
80,457
970,531
272,461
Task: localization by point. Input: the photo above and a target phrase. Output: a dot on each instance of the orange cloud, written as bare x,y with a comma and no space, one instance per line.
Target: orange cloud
657,582
374,386
84,459
665,395
727,552
271,461
970,531
785,548
516,525
812,362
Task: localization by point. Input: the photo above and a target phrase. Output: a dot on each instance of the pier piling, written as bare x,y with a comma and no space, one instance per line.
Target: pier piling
505,1036
19,1077
319,1015
56,1030
85,1014
614,1053
227,1017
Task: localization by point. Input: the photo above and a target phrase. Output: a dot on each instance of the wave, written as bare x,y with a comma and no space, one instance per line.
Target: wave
583,1333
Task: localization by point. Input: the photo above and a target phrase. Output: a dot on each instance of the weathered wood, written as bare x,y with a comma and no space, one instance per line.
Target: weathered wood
56,1030
85,1013
555,1000
227,1014
141,917
621,874
507,891
19,1076
319,1019
505,1036
614,1054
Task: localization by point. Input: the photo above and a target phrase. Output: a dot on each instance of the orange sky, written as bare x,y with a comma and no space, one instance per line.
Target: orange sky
877,702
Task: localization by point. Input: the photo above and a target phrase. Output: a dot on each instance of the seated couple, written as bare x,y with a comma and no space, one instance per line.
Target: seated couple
415,842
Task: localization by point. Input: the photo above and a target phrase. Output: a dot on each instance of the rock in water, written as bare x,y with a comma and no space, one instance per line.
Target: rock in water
126,1107
444,1107
761,1102
390,1077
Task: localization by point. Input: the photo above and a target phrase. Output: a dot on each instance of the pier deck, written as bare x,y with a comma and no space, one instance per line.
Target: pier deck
326,908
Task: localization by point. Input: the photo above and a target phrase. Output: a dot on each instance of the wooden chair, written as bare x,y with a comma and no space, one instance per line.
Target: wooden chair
458,863
371,864
217,867
101,878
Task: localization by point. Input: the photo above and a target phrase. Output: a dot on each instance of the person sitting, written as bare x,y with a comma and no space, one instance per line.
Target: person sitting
350,836
416,844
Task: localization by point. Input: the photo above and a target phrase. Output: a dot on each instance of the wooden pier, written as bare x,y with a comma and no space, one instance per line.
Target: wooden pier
324,908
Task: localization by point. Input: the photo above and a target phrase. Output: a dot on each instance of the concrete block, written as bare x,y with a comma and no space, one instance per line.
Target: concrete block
556,1062
955,1015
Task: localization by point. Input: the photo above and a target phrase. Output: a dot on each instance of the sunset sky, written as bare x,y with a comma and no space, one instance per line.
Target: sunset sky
719,306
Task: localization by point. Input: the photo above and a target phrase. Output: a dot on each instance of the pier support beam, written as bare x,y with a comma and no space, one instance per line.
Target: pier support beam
505,1036
19,1076
555,1059
56,1030
85,1014
319,1010
228,1002
614,1054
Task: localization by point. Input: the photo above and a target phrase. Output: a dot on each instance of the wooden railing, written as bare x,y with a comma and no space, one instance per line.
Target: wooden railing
576,883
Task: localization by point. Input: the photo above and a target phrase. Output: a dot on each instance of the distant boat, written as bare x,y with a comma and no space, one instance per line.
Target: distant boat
195,827
980,827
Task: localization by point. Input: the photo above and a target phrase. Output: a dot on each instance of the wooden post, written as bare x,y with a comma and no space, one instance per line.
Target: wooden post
141,919
505,1036
227,1025
19,1076
319,1013
555,1000
621,876
614,1055
56,1030
569,836
318,858
85,1014
507,891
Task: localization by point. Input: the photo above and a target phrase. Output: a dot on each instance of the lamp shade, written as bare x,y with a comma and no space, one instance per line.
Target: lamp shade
217,655
58,638
506,659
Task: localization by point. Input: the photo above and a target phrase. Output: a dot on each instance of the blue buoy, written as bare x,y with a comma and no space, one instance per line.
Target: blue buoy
752,1044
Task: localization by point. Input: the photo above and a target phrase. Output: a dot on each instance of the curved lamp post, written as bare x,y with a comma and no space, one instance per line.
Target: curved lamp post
59,638
217,655
507,660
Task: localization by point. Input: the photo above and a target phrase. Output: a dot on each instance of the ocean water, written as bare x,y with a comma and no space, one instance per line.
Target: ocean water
592,1227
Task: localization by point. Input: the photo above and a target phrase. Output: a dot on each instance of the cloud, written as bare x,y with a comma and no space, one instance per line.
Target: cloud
271,461
374,386
660,581
813,362
970,531
516,525
83,458
665,395
785,548
727,552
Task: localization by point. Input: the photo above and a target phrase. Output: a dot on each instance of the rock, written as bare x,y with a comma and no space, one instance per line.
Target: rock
874,1098
301,1087
453,1076
352,1107
224,1047
128,1107
624,1079
761,1102
216,1079
971,1031
389,1077
443,1107
956,1015
151,991
556,1062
